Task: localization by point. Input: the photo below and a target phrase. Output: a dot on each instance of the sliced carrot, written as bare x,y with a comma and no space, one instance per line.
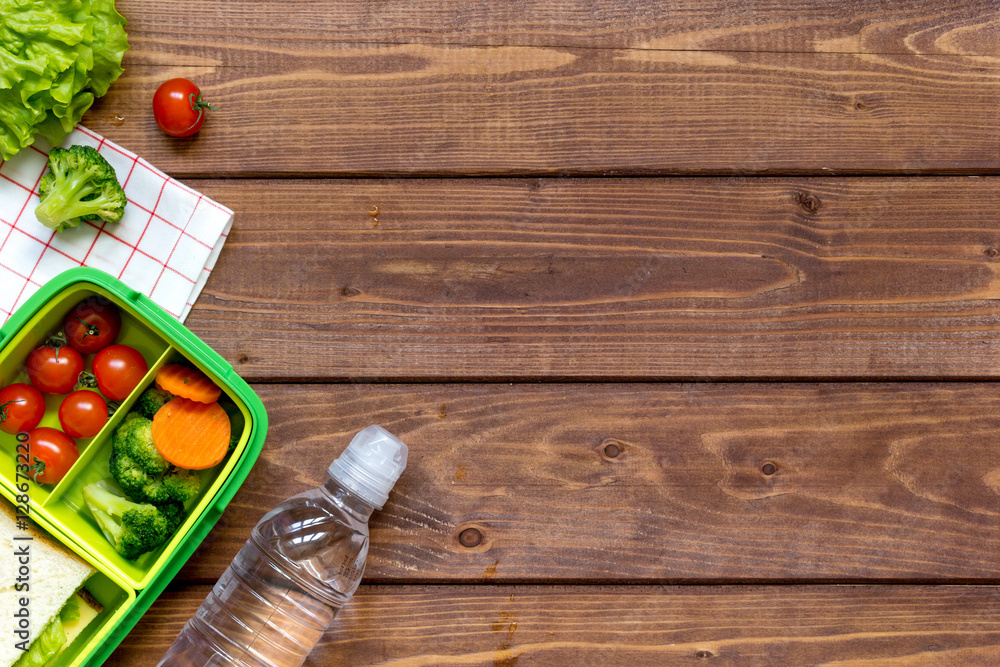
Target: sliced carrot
190,434
187,383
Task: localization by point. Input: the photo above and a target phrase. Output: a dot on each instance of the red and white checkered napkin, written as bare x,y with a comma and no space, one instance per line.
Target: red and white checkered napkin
165,246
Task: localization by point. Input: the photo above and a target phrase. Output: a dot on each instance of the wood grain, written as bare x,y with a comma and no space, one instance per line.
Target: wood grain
340,89
233,33
656,482
632,279
523,502
506,625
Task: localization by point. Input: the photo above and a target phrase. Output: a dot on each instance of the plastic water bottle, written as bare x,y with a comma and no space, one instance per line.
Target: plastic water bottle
302,563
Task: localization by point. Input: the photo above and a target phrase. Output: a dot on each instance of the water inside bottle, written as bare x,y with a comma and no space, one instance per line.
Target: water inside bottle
272,605
302,563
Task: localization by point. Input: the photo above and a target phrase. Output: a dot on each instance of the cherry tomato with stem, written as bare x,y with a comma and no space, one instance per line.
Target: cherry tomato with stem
21,408
118,370
83,414
92,325
178,107
51,454
54,368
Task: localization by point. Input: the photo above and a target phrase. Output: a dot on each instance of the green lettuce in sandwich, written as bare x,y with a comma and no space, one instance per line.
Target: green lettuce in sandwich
58,608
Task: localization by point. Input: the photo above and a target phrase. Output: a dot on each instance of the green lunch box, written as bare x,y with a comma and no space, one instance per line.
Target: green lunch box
125,588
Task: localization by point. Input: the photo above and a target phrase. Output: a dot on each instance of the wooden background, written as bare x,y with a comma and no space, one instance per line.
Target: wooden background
687,311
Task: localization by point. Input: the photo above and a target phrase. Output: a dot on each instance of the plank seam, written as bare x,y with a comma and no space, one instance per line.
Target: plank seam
568,174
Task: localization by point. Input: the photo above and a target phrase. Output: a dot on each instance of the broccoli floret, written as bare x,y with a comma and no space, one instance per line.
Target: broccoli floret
181,485
132,528
150,401
143,474
79,185
134,438
136,482
129,476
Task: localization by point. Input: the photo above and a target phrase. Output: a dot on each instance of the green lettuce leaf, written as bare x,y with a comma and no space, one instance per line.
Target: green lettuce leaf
70,611
45,645
55,59
110,45
16,118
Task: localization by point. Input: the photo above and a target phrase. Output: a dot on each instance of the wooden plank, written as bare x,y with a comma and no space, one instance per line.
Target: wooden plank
607,279
428,110
556,625
334,93
655,482
216,31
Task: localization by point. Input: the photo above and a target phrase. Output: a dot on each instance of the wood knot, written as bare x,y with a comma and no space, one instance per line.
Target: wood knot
244,359
611,448
768,469
991,252
470,538
808,203
350,291
703,654
860,106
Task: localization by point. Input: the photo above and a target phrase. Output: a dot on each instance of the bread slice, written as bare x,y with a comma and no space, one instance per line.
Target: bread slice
56,574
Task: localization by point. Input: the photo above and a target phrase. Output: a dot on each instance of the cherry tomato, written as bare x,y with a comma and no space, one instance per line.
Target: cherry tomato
83,413
92,325
21,408
118,370
54,370
178,107
51,454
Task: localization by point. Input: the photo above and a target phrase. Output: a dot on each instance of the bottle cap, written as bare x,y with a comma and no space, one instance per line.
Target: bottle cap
371,464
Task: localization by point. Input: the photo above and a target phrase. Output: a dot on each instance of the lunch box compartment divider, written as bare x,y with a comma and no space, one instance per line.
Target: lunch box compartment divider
98,442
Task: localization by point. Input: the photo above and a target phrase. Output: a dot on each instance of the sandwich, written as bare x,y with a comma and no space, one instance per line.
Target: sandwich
46,607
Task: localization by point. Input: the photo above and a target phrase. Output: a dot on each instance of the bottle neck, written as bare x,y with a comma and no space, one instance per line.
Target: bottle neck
347,499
